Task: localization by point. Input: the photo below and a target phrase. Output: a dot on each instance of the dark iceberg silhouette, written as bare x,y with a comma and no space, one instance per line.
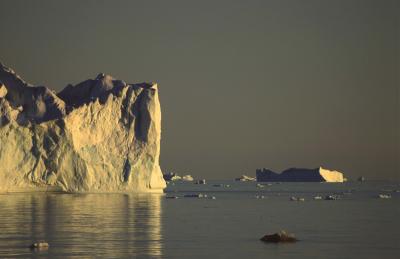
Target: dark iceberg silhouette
299,175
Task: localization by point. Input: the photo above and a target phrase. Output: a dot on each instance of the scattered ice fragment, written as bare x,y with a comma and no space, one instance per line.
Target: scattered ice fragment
187,178
202,181
176,178
171,176
281,236
245,178
39,245
384,196
332,197
199,195
297,198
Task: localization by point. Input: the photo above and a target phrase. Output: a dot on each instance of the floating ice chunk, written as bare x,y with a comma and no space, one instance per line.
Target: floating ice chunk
297,198
332,197
176,178
281,236
245,178
198,195
187,178
361,179
171,197
41,245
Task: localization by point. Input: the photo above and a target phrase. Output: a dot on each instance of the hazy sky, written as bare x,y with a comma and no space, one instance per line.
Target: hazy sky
243,84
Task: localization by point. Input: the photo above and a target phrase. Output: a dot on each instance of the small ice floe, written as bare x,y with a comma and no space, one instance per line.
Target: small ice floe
213,198
332,197
171,197
297,198
259,185
384,196
245,178
260,196
281,236
199,195
227,185
176,178
187,178
202,181
171,176
41,245
317,197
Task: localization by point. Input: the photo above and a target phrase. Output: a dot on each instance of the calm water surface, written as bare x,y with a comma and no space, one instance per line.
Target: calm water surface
150,226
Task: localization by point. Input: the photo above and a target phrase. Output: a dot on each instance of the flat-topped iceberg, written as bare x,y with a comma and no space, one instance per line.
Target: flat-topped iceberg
101,135
299,175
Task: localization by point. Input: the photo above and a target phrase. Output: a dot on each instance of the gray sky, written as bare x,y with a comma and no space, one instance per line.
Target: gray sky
243,84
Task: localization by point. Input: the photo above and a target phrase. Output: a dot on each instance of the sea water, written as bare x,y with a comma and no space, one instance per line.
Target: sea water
358,225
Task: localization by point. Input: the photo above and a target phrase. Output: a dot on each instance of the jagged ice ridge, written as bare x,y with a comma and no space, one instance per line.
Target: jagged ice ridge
101,135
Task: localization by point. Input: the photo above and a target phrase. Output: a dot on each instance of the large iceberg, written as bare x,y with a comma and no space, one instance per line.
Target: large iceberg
101,135
299,175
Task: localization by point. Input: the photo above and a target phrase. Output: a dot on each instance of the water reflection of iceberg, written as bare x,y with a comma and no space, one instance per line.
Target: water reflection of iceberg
88,225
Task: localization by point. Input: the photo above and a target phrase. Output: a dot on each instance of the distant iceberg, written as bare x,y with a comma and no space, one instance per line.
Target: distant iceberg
300,175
